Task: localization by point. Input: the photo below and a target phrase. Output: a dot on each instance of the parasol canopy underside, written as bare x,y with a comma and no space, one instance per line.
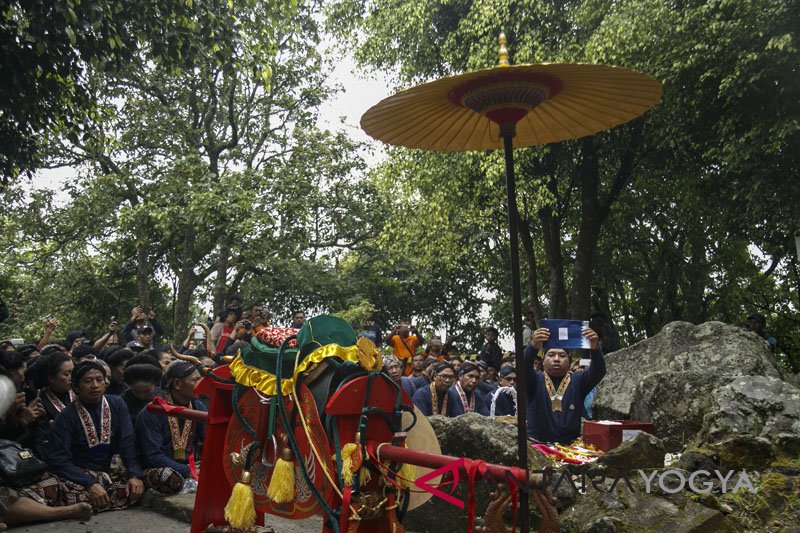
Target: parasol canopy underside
580,100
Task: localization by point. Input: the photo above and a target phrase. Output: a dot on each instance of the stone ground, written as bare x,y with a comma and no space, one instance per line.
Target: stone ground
171,514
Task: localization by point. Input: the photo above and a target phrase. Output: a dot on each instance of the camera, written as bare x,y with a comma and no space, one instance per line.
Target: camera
247,325
198,334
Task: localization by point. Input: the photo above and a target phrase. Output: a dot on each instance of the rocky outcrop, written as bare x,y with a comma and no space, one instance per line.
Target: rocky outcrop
670,378
624,510
751,420
643,451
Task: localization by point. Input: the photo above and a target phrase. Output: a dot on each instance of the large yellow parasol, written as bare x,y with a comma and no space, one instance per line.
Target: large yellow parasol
547,102
512,106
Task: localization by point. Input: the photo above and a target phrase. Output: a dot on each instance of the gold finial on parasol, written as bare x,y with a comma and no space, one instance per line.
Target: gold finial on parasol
502,55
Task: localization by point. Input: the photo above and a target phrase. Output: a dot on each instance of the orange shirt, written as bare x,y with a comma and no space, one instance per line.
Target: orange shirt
404,349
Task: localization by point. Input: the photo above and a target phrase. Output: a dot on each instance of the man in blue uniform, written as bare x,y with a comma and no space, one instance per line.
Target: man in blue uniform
434,399
84,438
555,396
169,445
465,395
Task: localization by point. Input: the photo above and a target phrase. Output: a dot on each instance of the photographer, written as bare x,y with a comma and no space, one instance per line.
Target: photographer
260,316
141,317
242,331
234,303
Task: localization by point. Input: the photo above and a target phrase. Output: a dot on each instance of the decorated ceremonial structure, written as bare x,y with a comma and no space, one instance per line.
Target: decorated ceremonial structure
305,423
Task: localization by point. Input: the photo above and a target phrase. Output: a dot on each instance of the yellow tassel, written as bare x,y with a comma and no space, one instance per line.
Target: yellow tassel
351,461
240,511
364,476
406,475
281,485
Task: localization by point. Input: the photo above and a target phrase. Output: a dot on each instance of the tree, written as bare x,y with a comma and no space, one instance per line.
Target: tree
601,212
50,49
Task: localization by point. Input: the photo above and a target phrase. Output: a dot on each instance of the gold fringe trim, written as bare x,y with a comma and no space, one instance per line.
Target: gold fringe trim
265,382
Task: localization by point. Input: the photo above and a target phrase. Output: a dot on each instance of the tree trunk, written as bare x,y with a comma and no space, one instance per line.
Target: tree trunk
187,283
551,234
220,284
588,233
696,276
534,303
142,273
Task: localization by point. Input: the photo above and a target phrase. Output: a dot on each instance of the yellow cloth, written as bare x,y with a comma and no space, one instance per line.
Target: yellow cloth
265,382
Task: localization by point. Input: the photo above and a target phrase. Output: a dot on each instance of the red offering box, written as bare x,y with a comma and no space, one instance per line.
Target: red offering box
609,436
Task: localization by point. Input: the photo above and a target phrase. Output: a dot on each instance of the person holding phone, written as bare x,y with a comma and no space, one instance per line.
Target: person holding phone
405,339
141,317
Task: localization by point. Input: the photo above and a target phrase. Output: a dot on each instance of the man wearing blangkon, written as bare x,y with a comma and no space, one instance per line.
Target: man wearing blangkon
556,395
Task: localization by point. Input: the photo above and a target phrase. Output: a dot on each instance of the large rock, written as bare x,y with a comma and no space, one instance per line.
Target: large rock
750,415
478,437
643,451
670,377
660,396
622,510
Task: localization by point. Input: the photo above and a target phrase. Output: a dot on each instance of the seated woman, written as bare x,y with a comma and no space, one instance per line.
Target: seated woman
54,379
83,439
168,445
21,421
20,506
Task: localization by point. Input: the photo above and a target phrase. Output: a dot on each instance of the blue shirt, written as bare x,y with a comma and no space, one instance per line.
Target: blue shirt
408,385
68,452
481,401
422,399
564,427
155,441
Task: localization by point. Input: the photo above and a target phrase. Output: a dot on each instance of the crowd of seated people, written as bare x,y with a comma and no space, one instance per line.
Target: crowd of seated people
80,409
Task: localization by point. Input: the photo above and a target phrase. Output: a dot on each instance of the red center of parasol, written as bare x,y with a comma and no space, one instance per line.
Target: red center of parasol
506,96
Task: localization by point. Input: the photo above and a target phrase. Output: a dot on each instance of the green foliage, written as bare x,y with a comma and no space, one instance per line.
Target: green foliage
50,50
698,228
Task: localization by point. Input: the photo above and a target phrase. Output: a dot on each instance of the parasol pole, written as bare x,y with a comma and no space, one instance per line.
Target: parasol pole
507,131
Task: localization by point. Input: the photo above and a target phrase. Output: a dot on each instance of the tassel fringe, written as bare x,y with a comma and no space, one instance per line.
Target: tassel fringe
240,511
282,484
406,475
351,461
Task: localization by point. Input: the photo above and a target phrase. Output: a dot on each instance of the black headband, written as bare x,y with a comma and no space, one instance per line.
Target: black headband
176,370
442,366
83,367
468,367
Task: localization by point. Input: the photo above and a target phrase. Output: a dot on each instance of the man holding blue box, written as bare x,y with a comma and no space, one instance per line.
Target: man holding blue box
556,395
